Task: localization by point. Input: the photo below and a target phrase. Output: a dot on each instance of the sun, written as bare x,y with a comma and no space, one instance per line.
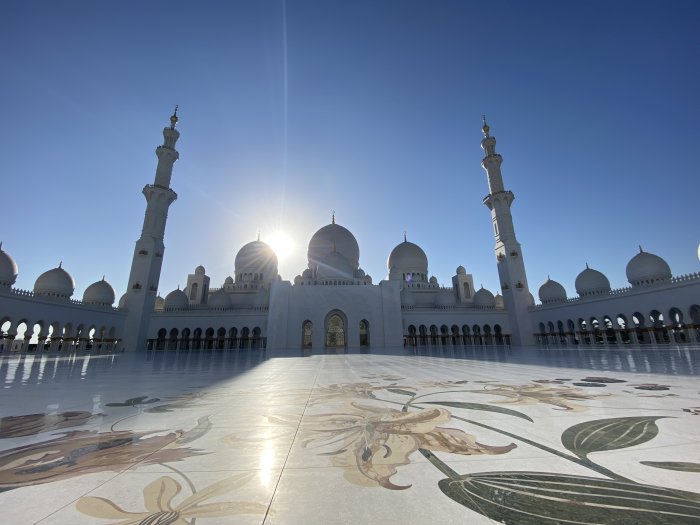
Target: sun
281,243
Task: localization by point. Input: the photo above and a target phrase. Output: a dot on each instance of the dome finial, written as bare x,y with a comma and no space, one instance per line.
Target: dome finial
60,264
404,236
103,277
173,118
640,249
485,128
548,277
258,234
586,265
333,217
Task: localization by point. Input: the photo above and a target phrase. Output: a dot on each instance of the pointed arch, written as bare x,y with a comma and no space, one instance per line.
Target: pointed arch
335,324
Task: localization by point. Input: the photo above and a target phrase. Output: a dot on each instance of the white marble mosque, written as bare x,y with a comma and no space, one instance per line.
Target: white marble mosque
333,303
335,399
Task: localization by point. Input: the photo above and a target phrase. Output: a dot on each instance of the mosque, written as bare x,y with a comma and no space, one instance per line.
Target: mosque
334,304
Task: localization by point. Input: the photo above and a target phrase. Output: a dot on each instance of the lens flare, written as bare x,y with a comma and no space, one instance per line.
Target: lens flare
281,243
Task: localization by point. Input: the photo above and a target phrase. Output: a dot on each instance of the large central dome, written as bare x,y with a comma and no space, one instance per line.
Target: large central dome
333,238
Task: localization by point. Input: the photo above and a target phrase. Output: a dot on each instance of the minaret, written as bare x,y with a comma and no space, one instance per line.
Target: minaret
148,253
509,256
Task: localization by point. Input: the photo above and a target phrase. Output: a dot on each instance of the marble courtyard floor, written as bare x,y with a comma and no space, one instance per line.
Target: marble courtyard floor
402,436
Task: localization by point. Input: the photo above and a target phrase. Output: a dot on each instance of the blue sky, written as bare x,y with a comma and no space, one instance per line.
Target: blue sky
369,108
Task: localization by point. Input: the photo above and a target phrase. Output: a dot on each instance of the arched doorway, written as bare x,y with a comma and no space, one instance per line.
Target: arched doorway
335,330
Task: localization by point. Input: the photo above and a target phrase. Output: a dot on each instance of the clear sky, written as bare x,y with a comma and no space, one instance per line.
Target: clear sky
369,108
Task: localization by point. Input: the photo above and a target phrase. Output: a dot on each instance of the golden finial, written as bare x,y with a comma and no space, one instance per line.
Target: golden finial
333,218
485,128
174,119
640,249
404,236
258,234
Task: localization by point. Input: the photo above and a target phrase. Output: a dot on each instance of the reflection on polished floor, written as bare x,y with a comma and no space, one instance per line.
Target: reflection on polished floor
398,436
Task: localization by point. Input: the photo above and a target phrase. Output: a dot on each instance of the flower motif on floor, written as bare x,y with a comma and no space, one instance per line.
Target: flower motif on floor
443,384
371,442
349,391
558,396
158,497
32,424
82,452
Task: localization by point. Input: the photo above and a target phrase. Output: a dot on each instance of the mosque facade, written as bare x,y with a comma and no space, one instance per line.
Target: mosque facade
334,304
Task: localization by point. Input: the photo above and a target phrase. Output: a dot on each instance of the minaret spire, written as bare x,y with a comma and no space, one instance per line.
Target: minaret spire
148,254
173,118
509,257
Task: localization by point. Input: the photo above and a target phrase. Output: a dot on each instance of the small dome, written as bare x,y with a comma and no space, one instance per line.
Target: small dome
123,301
433,280
461,270
8,269
160,303
100,292
444,298
592,282
499,301
530,299
551,292
406,258
333,238
645,268
176,300
257,257
334,265
199,270
56,282
297,279
360,273
483,298
306,274
219,299
228,280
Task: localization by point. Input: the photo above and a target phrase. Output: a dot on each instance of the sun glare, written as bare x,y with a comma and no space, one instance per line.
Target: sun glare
281,243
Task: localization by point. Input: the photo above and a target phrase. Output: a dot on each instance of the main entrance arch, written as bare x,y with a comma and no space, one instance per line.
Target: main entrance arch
336,329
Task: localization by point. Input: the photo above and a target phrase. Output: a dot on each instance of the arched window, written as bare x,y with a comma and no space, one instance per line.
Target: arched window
185,338
197,338
245,337
232,337
193,291
364,333
172,340
307,334
256,338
